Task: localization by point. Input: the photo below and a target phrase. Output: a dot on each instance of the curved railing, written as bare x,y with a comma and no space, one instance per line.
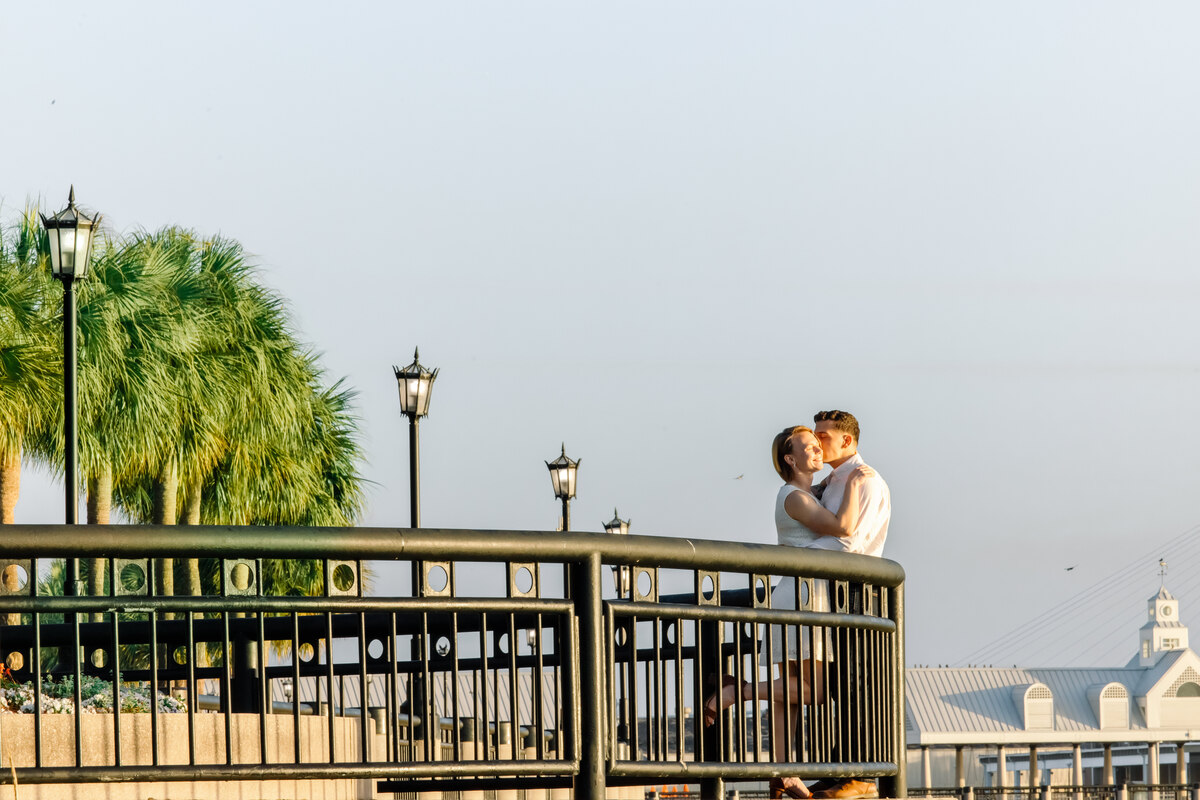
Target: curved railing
553,662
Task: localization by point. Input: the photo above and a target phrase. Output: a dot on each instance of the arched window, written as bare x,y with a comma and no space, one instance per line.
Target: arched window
1189,689
1036,703
1110,702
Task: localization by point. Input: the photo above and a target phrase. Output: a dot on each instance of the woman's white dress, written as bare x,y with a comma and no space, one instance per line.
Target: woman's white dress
792,534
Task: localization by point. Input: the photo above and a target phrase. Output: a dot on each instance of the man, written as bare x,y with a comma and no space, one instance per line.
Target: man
838,431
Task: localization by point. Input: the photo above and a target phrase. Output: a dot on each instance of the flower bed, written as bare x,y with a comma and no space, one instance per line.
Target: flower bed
58,697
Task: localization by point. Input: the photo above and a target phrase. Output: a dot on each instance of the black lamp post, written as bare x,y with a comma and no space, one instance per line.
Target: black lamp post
70,232
621,579
416,385
562,475
621,573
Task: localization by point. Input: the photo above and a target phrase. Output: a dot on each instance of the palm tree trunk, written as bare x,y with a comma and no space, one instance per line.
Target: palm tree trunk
166,486
191,516
99,509
10,486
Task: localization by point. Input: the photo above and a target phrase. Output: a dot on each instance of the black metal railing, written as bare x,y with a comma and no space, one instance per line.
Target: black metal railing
514,665
1128,791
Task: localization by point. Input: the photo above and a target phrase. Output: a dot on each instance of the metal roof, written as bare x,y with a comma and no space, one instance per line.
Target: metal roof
976,703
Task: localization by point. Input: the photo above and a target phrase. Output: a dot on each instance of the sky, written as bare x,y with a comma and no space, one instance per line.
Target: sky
661,232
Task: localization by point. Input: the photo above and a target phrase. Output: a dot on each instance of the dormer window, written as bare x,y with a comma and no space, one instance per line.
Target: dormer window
1110,702
1036,703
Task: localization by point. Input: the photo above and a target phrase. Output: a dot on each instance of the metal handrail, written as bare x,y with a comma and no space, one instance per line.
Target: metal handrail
603,680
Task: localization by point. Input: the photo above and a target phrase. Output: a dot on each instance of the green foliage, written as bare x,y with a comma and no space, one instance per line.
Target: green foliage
194,391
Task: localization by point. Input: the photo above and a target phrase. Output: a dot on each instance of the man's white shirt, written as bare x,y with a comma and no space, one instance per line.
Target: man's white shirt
874,511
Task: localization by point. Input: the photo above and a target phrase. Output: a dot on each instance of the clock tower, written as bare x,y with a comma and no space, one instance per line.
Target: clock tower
1163,631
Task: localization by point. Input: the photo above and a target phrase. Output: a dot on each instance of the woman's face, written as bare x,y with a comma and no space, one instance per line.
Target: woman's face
806,451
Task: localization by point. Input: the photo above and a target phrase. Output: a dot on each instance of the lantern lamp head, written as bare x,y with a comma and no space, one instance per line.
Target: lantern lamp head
71,233
562,475
415,383
616,524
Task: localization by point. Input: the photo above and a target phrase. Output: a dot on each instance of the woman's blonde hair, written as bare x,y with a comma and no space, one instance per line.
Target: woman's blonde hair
780,447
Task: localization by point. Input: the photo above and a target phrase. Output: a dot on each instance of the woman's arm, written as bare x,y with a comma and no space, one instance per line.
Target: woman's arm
808,511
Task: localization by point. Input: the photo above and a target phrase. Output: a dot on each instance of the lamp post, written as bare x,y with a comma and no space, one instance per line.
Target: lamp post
415,383
70,233
562,476
621,580
621,573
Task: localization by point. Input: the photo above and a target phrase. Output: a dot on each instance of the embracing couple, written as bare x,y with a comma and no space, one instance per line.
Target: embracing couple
849,511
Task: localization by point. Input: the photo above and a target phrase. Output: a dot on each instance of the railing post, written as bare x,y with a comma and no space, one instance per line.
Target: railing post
585,592
897,786
1195,791
1123,792
244,683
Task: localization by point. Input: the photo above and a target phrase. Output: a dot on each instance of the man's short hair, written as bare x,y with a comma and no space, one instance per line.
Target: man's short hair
843,421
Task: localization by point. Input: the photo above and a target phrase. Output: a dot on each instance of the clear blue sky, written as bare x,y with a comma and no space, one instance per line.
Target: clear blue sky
660,232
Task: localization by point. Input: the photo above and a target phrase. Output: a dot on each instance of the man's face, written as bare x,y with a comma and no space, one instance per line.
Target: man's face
835,445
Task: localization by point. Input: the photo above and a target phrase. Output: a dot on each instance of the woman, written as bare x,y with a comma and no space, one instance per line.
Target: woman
800,521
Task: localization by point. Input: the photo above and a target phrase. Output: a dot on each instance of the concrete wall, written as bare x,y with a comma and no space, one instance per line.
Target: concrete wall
58,745
58,737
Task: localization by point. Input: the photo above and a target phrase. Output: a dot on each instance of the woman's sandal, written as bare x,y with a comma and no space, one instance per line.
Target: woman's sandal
779,789
713,704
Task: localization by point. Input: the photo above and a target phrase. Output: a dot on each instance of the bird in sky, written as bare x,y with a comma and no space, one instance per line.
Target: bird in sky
1068,569
739,477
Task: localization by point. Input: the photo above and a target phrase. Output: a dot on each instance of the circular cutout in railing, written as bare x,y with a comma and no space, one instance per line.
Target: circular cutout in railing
180,654
670,633
803,593
375,649
343,577
645,583
760,590
15,661
502,643
436,579
620,636
15,578
707,587
841,595
747,631
133,578
99,658
524,580
240,576
306,651
442,648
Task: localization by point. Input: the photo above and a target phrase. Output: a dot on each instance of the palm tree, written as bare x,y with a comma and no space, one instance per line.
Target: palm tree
30,352
248,404
197,404
131,328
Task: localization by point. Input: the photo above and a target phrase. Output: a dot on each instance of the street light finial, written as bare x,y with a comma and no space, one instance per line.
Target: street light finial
564,449
416,354
71,197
